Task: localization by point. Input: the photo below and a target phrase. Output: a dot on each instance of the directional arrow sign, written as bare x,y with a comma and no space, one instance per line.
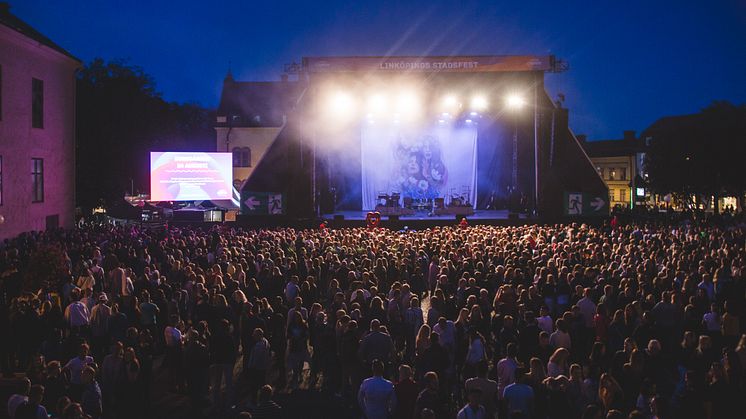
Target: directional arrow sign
251,203
597,203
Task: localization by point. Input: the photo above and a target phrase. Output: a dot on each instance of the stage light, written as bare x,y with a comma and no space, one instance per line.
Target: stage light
408,103
341,103
450,102
479,103
468,121
515,101
377,103
473,113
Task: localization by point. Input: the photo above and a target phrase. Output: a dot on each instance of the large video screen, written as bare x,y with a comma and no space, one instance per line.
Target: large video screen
187,176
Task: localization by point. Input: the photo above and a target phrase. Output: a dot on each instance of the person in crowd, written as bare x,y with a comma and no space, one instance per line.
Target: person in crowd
638,311
376,396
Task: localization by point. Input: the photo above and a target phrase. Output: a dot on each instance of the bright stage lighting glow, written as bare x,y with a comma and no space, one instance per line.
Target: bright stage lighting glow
407,103
341,103
479,103
468,121
515,101
450,102
377,103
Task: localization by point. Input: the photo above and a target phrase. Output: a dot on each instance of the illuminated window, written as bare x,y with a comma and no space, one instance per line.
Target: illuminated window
242,157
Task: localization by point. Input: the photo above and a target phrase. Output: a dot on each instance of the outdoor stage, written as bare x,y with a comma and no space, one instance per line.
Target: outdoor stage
422,220
479,215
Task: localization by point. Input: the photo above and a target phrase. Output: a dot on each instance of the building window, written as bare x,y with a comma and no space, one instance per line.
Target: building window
37,103
623,173
623,195
1,180
37,180
242,157
611,195
612,173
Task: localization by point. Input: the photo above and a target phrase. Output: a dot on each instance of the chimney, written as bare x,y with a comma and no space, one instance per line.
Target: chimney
629,134
581,137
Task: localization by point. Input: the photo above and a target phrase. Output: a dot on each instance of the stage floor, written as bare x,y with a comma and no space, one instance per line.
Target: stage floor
423,216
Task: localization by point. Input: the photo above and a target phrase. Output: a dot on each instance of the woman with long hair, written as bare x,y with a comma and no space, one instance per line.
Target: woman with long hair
558,363
610,393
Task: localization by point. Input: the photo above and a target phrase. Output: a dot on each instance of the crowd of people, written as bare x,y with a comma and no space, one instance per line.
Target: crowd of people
620,320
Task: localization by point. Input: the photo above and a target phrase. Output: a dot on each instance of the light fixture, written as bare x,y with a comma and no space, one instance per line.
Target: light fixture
479,103
515,101
407,103
377,103
341,103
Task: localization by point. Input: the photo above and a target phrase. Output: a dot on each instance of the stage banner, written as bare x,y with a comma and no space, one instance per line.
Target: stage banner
430,64
421,163
261,203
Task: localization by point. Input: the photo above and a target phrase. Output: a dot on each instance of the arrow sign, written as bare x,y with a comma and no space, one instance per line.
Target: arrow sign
597,203
251,203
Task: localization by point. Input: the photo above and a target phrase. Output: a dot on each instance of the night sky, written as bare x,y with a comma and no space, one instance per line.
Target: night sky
631,62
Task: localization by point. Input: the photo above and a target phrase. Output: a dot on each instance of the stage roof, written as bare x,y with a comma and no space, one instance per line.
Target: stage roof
431,64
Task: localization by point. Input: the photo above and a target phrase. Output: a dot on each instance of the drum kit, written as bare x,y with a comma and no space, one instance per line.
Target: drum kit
389,200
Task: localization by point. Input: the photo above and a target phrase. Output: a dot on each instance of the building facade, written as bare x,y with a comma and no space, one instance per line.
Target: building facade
37,129
250,117
620,165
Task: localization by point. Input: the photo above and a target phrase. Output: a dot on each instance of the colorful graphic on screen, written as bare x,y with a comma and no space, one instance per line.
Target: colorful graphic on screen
187,176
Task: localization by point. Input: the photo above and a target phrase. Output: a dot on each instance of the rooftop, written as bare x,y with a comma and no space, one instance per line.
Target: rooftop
13,22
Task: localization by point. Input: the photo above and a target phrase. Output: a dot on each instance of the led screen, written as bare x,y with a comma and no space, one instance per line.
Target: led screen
187,176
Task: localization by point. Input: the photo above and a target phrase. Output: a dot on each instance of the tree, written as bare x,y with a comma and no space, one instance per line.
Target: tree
46,267
121,117
699,154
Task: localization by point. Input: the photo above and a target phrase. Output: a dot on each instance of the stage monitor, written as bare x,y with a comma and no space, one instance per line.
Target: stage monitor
190,176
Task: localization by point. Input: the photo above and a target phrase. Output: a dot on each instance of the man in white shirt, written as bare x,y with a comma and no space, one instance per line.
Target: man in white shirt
447,331
560,338
587,308
376,396
76,365
506,369
76,314
544,321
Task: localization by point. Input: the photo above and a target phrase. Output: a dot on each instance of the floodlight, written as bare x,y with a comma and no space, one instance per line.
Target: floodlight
341,103
377,103
407,102
479,103
450,102
515,101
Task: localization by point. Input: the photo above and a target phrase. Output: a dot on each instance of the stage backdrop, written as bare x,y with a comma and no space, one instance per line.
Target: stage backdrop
418,162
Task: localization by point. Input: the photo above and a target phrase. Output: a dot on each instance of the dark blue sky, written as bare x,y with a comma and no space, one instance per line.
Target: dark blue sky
631,61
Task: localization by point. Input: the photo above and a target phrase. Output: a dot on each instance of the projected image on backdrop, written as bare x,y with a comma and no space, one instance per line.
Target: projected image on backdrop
185,176
421,163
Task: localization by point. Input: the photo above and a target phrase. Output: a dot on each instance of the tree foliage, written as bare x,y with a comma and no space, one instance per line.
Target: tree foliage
47,265
699,154
121,117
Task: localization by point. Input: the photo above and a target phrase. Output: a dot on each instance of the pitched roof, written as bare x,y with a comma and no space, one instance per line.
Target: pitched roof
612,148
13,22
258,104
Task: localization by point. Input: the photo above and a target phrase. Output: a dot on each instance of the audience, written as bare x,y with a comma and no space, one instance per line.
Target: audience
634,320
